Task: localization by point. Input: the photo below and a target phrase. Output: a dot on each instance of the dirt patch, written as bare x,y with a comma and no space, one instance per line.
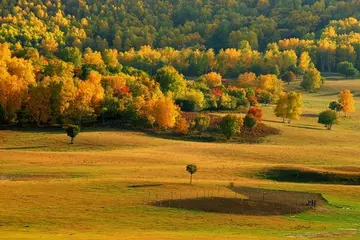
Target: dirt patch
256,201
35,176
309,176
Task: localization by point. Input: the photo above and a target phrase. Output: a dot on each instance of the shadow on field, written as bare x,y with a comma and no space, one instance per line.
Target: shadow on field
306,127
310,115
308,176
257,202
23,148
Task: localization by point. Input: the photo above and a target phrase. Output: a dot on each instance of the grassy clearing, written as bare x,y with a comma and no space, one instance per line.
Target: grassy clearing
57,191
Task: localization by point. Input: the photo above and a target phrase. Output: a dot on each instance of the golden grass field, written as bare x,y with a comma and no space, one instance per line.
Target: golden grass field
51,190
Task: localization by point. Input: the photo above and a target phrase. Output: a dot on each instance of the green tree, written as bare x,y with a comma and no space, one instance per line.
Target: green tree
288,77
201,122
230,125
192,169
72,131
336,106
250,121
328,118
311,80
171,80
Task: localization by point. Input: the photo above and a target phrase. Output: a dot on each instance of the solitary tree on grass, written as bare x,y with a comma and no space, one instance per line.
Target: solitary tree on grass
328,118
191,169
72,131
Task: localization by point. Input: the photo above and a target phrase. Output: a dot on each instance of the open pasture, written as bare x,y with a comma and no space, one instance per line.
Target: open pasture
96,188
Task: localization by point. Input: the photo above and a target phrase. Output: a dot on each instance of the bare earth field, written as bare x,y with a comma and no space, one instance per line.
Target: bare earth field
100,187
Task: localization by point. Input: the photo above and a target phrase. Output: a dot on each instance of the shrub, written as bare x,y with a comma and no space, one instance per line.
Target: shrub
230,125
328,118
201,122
256,112
347,69
250,121
181,126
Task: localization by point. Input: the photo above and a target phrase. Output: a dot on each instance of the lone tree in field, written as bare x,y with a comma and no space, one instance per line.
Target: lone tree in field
230,125
328,118
72,131
191,169
346,99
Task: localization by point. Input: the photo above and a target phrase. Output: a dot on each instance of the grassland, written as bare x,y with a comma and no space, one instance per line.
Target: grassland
51,190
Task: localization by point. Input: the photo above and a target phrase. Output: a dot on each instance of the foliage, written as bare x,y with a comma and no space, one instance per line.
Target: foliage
171,80
201,122
72,131
181,126
256,113
347,68
289,106
230,125
250,121
192,169
311,80
328,118
346,99
165,112
288,77
335,106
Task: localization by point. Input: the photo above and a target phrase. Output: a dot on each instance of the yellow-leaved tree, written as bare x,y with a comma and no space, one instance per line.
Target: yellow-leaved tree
16,75
165,112
213,79
247,79
294,106
346,99
281,106
39,103
289,106
304,61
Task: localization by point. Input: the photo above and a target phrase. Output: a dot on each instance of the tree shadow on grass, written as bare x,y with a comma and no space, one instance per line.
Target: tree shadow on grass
310,115
310,127
23,148
308,176
273,121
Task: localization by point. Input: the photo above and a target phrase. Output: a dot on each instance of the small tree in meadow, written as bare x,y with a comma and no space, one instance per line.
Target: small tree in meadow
230,125
72,131
192,169
336,106
328,118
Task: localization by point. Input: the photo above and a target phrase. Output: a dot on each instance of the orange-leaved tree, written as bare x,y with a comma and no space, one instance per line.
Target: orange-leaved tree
346,98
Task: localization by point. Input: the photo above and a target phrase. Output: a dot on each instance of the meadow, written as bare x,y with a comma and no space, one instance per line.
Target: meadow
52,190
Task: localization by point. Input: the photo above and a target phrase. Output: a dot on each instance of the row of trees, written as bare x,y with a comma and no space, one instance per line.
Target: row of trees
44,91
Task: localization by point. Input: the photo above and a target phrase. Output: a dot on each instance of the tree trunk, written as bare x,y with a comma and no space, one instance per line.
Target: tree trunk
72,141
190,178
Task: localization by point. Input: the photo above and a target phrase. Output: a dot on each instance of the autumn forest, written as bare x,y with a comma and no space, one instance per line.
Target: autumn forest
179,119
